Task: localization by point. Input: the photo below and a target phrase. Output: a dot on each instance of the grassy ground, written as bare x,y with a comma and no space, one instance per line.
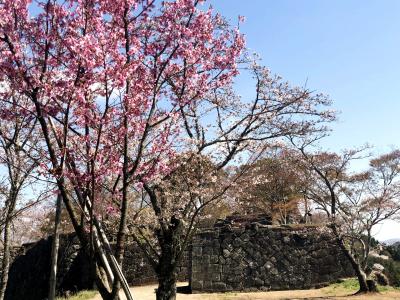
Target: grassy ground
84,295
342,290
350,287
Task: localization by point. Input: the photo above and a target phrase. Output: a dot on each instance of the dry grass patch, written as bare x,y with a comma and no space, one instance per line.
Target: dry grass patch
84,295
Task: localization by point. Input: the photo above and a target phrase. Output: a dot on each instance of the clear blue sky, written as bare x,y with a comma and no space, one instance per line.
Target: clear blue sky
347,49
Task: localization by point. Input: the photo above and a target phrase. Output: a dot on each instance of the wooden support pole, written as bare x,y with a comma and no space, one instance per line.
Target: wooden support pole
54,250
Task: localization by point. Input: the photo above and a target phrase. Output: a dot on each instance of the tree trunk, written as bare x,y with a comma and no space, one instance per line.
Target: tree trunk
166,268
101,281
6,258
361,276
121,235
5,267
372,288
54,251
166,283
120,245
367,249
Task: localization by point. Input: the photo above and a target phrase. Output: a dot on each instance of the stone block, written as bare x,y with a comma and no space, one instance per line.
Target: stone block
197,251
205,259
220,287
258,282
215,268
197,268
207,250
207,285
214,259
197,285
226,253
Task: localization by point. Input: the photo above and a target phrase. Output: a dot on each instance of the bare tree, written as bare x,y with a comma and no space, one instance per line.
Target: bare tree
19,161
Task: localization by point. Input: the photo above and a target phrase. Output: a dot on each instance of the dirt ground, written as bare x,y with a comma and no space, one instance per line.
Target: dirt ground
147,293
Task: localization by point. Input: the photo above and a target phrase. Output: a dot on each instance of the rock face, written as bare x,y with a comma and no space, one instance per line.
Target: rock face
265,258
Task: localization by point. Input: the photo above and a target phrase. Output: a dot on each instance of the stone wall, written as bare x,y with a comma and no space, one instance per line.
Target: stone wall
30,271
265,258
15,251
138,271
248,258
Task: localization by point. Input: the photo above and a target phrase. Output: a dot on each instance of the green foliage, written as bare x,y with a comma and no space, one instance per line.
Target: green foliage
84,295
374,242
393,272
394,251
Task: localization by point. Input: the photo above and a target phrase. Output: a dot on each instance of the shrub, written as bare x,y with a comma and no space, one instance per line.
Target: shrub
392,269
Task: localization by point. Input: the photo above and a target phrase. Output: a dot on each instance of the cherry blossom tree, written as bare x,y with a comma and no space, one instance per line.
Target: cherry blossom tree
353,202
128,93
328,172
369,199
107,82
219,132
